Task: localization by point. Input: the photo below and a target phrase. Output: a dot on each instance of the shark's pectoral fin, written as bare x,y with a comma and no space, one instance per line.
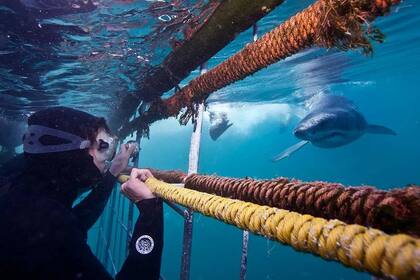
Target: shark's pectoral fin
379,129
286,153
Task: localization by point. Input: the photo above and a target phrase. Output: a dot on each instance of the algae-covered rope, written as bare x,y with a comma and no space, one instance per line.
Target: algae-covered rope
371,250
326,23
228,19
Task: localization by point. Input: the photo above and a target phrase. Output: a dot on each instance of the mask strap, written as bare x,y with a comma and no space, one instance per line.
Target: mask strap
32,145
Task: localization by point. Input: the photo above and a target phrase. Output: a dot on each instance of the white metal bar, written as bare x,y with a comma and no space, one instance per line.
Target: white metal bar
245,233
195,142
123,232
244,256
187,245
119,221
109,228
254,32
116,214
108,252
193,161
101,224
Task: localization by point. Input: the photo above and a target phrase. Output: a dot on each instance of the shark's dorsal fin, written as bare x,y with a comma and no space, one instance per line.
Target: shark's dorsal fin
286,153
379,129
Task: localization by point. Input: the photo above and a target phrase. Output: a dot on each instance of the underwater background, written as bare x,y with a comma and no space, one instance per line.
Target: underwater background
264,109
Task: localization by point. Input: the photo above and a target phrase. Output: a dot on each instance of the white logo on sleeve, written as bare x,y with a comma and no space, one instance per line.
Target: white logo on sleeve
144,244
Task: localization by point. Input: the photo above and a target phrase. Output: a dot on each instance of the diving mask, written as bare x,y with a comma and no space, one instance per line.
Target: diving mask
106,146
36,138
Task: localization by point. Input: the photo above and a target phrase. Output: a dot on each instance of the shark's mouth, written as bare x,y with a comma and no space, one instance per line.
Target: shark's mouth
331,135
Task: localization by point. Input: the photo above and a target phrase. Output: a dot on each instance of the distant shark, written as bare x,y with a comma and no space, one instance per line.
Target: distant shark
333,122
219,123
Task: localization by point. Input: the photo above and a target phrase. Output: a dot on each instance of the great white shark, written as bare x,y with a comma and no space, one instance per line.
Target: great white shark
333,121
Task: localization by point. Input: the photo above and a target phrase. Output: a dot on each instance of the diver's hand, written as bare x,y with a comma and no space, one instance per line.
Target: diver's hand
135,189
120,162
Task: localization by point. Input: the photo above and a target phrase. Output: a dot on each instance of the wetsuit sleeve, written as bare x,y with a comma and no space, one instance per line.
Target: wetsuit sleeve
145,252
90,209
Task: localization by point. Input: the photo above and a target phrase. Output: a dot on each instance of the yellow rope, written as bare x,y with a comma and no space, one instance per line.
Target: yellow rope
392,256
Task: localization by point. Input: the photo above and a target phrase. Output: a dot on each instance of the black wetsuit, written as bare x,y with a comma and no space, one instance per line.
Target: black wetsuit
43,237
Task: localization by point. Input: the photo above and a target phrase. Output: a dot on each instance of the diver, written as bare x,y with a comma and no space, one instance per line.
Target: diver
219,123
43,236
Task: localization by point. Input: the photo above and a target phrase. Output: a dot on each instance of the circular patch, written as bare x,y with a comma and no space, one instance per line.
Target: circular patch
144,244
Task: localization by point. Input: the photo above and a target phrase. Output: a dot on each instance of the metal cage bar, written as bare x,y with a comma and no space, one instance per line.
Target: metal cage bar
193,161
244,256
245,233
131,204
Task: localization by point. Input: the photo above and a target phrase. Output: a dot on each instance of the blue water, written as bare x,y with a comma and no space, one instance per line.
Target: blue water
264,109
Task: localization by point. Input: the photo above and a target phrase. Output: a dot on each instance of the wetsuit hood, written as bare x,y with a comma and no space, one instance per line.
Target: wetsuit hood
62,175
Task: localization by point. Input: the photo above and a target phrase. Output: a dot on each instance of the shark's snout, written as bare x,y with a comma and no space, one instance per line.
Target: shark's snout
300,133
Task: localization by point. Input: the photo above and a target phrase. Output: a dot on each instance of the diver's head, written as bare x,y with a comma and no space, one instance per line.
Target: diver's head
69,142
